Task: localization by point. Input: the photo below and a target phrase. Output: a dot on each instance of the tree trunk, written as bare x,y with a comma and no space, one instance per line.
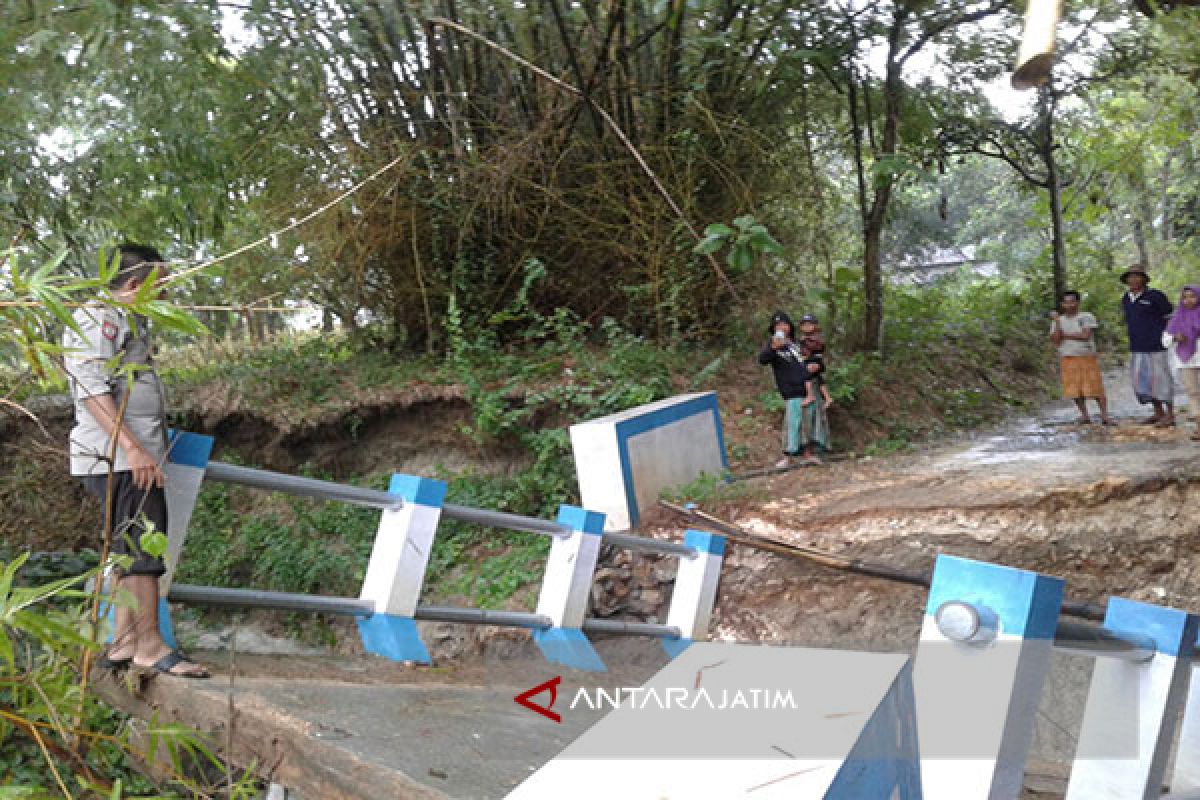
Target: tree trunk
822,237
1139,239
873,271
1047,100
877,216
1058,245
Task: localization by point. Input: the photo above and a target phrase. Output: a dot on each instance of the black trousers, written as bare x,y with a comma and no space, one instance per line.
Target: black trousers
132,508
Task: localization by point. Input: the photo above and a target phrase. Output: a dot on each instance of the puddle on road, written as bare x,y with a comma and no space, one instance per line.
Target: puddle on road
1066,445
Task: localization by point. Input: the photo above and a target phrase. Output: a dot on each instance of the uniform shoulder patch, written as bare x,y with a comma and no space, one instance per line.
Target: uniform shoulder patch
109,330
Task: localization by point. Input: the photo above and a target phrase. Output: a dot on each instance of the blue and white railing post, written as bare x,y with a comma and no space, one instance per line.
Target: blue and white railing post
1133,707
980,666
396,571
566,588
187,458
695,592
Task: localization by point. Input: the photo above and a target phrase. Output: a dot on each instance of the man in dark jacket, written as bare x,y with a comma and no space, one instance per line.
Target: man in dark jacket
1146,313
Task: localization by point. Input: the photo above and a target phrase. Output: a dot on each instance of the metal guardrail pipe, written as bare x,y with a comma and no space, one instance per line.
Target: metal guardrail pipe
305,487
503,519
482,616
633,628
1092,640
969,624
221,597
278,601
651,545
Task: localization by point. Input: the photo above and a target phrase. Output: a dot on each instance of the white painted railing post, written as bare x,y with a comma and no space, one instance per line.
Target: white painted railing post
695,591
566,588
396,571
1186,776
1133,708
977,700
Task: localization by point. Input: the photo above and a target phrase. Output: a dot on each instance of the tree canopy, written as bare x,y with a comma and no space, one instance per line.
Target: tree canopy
573,152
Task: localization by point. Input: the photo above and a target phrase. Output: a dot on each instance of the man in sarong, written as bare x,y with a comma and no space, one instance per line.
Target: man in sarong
1146,313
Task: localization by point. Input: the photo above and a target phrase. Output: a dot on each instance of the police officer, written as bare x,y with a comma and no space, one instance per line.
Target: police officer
119,444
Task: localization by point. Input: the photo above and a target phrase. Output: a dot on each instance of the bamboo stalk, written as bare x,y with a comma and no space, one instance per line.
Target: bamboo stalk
616,129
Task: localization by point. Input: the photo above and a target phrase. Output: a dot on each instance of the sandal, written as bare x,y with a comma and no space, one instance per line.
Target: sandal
114,664
166,666
1166,422
1195,437
1150,421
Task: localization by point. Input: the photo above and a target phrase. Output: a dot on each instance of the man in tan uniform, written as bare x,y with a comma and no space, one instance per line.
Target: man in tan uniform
112,358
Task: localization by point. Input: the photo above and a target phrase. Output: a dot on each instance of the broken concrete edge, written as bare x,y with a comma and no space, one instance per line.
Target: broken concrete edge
277,746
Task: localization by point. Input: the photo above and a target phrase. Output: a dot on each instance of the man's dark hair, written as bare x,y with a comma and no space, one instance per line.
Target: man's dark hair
137,262
1070,293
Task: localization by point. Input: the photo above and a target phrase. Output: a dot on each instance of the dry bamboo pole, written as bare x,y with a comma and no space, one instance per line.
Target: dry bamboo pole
740,536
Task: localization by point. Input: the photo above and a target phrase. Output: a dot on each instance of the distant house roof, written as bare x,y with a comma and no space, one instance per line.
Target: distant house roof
934,263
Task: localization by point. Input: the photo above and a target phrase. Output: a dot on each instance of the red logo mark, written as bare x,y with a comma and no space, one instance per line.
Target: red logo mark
109,331
551,686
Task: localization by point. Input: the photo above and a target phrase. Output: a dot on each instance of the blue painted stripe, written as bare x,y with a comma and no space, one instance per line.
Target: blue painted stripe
393,637
675,646
705,542
580,519
418,490
716,412
885,759
189,449
661,418
1028,604
569,647
1171,629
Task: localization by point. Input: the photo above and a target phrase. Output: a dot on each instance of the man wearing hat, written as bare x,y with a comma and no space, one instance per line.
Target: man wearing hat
1146,312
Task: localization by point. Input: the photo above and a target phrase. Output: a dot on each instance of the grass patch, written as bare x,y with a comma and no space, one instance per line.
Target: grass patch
714,490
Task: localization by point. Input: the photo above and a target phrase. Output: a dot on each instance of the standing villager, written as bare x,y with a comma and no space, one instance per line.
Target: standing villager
1146,312
804,423
118,446
1180,339
1073,332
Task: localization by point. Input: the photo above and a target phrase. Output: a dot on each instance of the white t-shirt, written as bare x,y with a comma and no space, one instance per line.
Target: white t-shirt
1076,324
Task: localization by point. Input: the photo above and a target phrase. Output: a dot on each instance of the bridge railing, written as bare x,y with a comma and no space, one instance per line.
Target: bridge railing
981,665
388,606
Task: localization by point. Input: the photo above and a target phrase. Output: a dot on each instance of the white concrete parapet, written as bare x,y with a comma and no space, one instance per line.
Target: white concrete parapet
1186,776
626,459
753,721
